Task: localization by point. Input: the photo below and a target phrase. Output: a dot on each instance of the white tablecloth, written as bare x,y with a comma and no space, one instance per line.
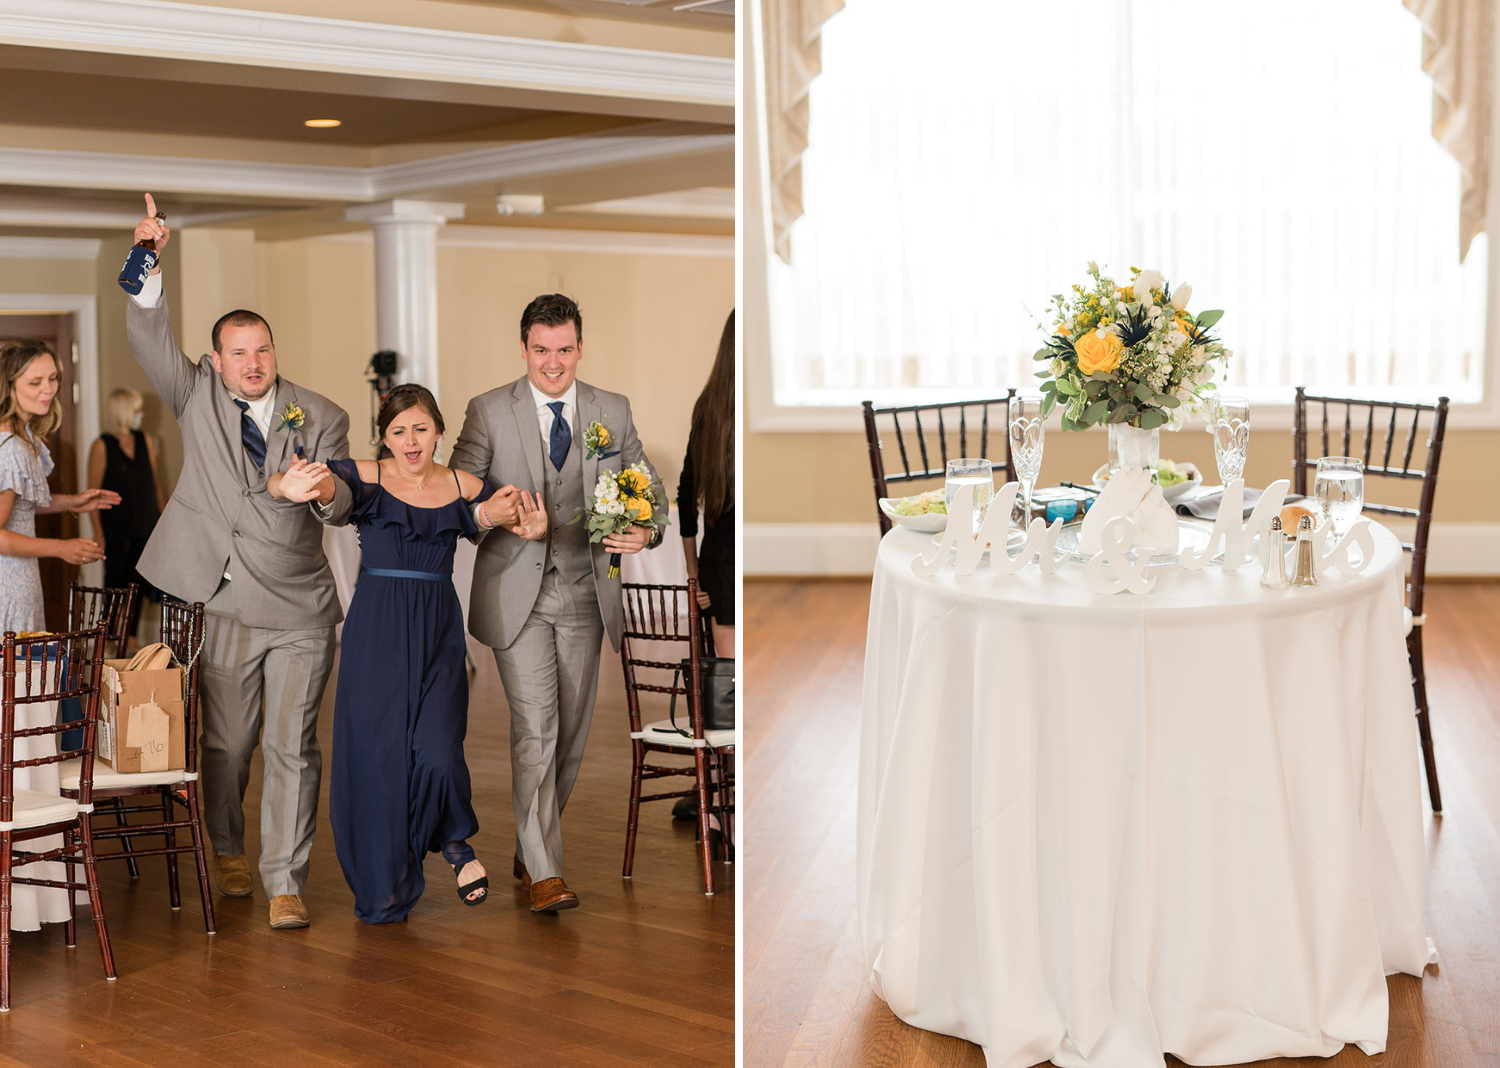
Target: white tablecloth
32,906
1096,829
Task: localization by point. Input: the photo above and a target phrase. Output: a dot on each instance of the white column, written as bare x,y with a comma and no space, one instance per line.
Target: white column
406,281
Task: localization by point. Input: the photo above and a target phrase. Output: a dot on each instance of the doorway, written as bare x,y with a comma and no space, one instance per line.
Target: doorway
59,331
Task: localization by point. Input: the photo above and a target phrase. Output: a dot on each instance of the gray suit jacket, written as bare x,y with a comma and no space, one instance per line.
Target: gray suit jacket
220,514
501,441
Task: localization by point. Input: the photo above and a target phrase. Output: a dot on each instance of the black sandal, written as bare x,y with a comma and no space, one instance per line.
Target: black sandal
465,889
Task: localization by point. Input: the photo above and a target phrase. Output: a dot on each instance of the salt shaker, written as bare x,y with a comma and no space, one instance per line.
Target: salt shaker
1306,573
1273,557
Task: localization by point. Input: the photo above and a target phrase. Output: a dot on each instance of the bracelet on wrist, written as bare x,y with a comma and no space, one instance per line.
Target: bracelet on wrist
485,515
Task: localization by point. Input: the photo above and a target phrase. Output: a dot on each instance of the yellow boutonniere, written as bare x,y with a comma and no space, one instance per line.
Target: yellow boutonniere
291,416
598,439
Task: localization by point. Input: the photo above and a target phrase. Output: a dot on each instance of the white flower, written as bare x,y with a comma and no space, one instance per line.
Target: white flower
1146,281
1180,297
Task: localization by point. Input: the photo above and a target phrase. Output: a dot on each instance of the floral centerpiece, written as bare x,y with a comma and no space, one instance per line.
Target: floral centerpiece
1131,355
622,499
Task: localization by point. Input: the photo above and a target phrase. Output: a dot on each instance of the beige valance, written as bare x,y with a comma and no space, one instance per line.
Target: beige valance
793,59
1458,54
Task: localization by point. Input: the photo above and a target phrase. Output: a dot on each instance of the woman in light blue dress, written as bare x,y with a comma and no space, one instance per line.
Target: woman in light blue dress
29,410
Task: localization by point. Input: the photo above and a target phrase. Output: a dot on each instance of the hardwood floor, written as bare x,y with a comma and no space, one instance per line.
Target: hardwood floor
643,973
807,1001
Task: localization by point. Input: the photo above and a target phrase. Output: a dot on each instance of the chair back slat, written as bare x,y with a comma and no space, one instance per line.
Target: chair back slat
49,668
656,613
1396,425
183,631
114,607
931,442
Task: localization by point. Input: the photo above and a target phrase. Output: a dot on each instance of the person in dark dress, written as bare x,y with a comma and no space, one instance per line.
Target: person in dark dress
708,480
123,460
400,786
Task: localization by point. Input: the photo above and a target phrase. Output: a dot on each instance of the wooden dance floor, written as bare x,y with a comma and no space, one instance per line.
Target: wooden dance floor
807,1001
642,973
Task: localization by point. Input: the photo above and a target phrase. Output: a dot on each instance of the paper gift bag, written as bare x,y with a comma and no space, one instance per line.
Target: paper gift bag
133,699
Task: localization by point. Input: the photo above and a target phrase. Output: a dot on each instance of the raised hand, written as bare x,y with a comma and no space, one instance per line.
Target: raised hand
302,481
151,229
531,517
93,500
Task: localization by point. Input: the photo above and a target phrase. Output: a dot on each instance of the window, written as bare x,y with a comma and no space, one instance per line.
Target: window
968,159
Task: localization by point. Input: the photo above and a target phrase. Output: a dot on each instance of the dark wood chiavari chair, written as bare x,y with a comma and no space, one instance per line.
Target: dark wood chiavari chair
670,614
1387,444
113,607
182,632
51,669
981,421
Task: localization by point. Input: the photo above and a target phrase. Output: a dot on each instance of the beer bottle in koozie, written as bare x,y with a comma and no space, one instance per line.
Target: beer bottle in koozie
139,263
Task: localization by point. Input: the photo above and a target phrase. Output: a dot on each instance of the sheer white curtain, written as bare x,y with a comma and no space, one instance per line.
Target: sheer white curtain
969,157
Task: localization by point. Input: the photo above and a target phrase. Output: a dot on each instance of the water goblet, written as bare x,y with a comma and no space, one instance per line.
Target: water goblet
1339,488
1026,428
976,473
1229,421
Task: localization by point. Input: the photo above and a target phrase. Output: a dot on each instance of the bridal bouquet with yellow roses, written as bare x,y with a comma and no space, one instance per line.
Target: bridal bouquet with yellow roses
622,499
1129,354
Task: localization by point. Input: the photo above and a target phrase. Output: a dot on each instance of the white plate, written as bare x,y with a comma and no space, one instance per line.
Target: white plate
1171,493
927,522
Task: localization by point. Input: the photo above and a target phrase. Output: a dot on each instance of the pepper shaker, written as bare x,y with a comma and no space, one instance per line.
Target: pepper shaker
1306,573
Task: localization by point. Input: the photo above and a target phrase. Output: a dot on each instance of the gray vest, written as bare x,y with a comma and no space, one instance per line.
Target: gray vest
567,534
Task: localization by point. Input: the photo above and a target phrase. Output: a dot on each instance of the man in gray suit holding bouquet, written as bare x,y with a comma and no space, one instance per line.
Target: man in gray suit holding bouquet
544,606
258,565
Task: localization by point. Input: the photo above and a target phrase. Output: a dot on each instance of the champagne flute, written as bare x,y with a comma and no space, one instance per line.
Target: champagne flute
1230,425
1026,438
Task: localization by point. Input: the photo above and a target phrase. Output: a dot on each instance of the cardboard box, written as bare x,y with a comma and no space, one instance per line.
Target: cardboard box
141,719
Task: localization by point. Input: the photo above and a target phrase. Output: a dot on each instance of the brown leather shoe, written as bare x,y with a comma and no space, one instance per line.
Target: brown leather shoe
287,910
519,871
233,875
552,895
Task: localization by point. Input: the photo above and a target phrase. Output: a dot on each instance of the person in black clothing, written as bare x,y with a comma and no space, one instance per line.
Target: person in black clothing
123,459
708,480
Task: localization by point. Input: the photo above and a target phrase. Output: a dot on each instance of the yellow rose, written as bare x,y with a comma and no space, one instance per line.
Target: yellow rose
1184,324
643,508
1098,350
635,482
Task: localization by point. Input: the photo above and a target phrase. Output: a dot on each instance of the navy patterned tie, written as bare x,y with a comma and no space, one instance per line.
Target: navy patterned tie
250,434
562,437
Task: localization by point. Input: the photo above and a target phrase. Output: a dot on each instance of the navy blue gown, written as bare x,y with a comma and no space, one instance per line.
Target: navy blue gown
400,787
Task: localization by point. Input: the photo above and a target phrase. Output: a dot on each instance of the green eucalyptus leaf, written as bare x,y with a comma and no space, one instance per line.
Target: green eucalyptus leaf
1208,318
1049,401
1142,392
1166,400
1152,420
1096,411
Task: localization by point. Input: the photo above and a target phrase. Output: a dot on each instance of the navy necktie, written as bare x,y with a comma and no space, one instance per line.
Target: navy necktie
250,434
562,437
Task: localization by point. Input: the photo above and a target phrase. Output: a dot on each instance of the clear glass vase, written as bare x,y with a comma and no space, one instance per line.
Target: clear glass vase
1130,446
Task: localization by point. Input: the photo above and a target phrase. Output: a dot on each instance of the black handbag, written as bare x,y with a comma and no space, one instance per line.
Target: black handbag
716,673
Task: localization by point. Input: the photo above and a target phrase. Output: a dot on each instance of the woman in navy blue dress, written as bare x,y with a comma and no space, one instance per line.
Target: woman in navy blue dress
400,787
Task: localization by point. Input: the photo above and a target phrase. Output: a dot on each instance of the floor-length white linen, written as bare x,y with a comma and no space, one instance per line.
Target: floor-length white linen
1097,829
32,906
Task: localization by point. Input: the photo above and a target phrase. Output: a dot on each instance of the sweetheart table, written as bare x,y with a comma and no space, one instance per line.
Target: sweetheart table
1101,829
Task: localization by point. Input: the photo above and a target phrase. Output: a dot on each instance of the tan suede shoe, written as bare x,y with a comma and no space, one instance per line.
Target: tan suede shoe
233,875
287,910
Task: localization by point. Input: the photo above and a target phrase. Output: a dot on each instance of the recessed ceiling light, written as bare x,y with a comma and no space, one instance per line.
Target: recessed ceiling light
322,124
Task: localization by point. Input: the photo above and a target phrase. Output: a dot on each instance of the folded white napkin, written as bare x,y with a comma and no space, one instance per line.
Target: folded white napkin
1131,493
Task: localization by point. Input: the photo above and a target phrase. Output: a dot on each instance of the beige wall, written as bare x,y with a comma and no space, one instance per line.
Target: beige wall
825,478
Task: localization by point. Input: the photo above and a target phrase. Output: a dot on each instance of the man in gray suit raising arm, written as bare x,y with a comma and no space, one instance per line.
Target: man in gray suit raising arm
544,606
258,565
